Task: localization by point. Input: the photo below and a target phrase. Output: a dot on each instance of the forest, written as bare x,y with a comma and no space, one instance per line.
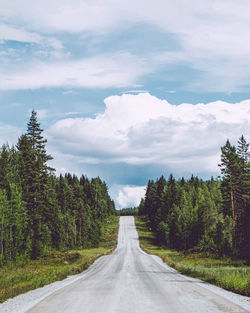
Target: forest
40,212
204,215
127,211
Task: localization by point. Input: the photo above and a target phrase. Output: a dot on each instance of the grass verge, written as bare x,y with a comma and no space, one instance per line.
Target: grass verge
233,275
20,278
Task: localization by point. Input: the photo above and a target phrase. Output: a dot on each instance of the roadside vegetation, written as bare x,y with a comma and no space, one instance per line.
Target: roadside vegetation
206,215
225,272
20,277
202,227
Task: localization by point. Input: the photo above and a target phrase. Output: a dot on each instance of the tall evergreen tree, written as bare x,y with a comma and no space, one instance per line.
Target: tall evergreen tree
235,170
34,173
244,189
230,168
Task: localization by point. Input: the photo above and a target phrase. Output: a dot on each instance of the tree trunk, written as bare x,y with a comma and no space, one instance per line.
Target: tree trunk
234,216
80,232
2,248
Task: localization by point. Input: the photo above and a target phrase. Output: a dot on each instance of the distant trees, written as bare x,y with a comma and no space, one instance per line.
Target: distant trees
127,212
210,215
40,212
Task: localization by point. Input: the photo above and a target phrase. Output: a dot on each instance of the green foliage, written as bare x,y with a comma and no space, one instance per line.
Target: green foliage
208,215
40,212
235,167
127,212
184,214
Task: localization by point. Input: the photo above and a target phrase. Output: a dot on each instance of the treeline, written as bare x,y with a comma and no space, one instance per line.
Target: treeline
212,215
127,212
40,212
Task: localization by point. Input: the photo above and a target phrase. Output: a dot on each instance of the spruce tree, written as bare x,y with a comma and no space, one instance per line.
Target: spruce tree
244,196
34,173
230,168
235,168
5,169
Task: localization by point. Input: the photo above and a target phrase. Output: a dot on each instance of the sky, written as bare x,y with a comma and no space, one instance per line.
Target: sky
127,91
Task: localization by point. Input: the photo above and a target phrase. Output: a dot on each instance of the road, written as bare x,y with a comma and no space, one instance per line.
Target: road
131,281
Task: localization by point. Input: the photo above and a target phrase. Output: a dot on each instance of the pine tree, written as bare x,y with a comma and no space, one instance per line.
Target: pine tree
230,168
20,243
34,173
5,169
244,190
235,168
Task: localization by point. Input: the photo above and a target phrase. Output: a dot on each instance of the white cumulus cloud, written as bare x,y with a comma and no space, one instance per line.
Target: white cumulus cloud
130,196
144,130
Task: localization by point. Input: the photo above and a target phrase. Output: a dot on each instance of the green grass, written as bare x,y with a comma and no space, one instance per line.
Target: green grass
22,277
233,275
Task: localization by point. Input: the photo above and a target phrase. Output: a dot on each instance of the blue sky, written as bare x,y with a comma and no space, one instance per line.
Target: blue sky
127,92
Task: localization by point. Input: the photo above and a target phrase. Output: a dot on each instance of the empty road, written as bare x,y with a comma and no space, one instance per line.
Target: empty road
131,281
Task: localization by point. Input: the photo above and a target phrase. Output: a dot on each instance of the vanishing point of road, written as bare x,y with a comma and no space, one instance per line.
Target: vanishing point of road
131,281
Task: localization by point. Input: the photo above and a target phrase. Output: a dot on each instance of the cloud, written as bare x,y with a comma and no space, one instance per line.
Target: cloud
212,35
8,134
70,92
71,113
10,32
130,196
144,130
76,16
19,46
135,91
101,72
42,114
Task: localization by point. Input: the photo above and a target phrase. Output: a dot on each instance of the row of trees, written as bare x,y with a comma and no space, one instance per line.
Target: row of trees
209,215
128,212
39,211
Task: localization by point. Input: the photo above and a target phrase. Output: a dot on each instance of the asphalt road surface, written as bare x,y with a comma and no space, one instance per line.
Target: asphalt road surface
131,281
